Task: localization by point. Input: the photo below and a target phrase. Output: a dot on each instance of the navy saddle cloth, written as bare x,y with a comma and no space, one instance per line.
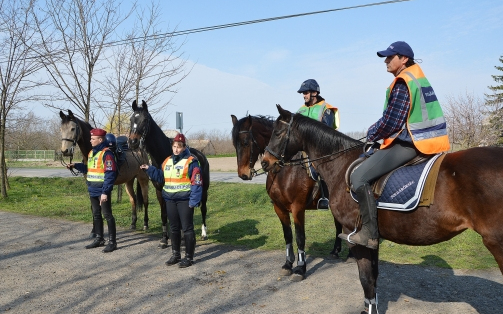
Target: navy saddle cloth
403,189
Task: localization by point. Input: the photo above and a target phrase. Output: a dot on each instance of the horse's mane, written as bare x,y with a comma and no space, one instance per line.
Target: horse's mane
326,138
266,121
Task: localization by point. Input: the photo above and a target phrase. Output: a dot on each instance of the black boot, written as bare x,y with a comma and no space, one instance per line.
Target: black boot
323,200
98,231
190,246
175,249
112,241
368,235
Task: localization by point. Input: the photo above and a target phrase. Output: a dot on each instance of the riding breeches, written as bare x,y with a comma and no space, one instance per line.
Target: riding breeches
180,215
382,162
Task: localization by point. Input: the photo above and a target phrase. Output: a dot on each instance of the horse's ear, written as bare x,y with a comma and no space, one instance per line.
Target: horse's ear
134,105
62,115
234,119
144,105
250,121
70,114
285,114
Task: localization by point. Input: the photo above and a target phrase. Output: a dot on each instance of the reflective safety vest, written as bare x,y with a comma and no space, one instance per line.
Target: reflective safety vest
425,122
317,110
176,177
95,167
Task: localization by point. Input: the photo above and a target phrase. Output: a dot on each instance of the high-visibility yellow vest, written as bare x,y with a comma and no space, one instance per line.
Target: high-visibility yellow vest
95,166
317,110
425,122
176,177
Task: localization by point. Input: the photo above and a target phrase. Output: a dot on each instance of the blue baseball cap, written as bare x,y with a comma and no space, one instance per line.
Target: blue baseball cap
309,85
397,48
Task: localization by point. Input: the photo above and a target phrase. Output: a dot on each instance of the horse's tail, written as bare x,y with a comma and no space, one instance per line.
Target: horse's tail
139,196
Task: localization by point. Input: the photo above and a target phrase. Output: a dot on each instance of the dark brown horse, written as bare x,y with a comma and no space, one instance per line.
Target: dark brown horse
77,132
291,190
468,193
145,133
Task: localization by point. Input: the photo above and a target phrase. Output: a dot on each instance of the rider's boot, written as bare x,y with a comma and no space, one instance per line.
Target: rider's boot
98,230
112,240
368,235
175,249
190,246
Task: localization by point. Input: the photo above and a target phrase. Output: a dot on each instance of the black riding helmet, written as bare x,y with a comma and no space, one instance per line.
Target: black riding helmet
309,86
111,141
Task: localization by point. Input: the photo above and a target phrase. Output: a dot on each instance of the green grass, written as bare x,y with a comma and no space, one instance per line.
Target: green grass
238,214
221,155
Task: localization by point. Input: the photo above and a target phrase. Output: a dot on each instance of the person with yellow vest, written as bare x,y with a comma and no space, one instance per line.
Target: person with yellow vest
412,123
183,190
315,107
101,170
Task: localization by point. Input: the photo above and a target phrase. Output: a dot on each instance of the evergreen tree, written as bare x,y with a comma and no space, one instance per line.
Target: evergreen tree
494,102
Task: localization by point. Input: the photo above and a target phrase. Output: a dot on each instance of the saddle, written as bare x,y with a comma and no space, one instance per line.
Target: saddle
420,174
120,150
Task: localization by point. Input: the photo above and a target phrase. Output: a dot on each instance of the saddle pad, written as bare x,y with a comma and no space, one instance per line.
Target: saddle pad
403,190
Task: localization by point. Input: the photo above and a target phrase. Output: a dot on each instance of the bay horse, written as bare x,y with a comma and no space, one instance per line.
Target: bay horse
468,193
77,132
291,190
145,133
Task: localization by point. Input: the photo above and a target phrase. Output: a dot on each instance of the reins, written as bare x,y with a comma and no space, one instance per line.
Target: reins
72,148
251,165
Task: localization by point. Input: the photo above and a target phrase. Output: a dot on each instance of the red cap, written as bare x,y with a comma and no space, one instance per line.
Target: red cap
179,138
98,132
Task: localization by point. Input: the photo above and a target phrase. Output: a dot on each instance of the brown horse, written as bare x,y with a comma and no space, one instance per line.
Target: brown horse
468,193
146,133
291,190
77,132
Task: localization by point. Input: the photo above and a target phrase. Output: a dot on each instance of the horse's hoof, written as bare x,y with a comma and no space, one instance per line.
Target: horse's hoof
204,238
296,277
285,272
162,245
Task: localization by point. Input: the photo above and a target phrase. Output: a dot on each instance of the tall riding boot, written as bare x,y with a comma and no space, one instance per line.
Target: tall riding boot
112,241
175,249
190,246
98,229
369,234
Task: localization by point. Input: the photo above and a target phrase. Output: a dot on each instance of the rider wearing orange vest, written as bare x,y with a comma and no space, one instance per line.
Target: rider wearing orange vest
101,170
182,191
412,124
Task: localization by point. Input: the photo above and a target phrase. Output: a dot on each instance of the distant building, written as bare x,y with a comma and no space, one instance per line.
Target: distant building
204,146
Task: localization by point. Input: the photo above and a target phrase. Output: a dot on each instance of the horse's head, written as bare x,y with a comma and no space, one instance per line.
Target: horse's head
140,125
246,146
70,133
283,144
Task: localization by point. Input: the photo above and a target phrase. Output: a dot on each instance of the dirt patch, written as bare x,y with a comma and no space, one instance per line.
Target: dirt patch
45,269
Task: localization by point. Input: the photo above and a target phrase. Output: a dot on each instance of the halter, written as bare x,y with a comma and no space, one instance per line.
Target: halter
281,158
146,130
253,172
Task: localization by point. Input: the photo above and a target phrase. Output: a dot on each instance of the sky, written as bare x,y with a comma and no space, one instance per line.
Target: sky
249,69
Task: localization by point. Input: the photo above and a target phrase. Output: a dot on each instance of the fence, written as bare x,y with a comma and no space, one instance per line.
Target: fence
37,155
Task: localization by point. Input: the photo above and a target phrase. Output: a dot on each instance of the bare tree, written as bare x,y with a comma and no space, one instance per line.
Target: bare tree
74,34
28,131
17,68
467,122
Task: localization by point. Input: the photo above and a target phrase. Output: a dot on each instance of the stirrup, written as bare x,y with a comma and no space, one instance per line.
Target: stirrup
324,204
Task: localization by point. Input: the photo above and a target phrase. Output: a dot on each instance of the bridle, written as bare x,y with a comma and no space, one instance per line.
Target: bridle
144,133
281,156
72,148
251,165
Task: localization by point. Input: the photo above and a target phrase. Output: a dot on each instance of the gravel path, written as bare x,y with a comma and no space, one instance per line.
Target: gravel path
44,268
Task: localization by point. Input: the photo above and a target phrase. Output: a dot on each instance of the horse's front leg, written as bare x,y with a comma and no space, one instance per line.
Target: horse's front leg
164,218
204,210
284,218
368,268
338,243
299,272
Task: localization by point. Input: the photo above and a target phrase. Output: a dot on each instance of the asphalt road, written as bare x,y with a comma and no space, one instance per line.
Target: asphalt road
63,173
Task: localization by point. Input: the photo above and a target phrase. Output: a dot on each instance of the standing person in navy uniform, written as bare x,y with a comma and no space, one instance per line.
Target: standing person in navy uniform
101,170
183,188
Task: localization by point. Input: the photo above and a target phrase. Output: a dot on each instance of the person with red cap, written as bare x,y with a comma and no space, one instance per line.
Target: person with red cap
183,188
101,170
412,123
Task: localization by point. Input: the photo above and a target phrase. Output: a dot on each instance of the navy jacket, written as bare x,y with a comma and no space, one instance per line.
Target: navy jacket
110,172
196,188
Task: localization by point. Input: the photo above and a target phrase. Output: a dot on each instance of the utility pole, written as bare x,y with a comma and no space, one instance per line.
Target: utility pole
179,121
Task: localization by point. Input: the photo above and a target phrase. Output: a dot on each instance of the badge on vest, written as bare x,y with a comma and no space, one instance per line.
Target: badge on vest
108,165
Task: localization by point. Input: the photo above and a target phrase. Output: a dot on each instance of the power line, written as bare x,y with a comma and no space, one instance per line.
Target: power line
216,27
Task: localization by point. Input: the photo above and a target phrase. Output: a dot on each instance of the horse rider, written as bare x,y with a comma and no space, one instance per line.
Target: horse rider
183,188
412,123
101,172
316,108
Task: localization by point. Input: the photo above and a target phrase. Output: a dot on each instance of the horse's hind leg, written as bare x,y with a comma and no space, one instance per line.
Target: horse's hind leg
132,200
494,244
284,218
368,263
204,209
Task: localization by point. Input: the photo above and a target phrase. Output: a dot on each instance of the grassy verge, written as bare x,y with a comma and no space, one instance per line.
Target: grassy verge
238,214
